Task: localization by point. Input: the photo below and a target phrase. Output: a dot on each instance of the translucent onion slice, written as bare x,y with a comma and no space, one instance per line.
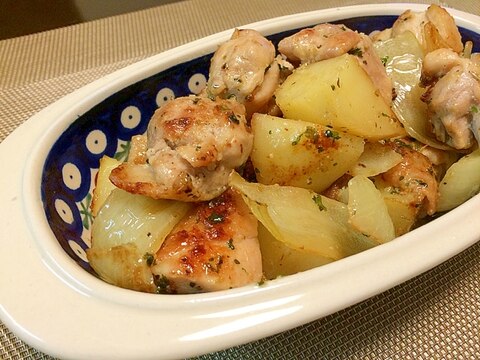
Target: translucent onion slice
375,159
126,233
302,219
129,218
368,211
279,259
401,206
123,266
461,182
403,57
103,186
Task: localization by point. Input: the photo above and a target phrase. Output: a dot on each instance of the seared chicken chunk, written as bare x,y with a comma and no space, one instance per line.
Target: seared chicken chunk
434,28
245,67
193,143
215,247
414,174
323,41
327,41
453,97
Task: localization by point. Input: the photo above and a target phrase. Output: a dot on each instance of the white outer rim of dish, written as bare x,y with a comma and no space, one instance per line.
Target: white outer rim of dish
78,318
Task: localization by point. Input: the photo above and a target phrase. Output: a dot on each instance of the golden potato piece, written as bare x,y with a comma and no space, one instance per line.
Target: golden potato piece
299,153
338,92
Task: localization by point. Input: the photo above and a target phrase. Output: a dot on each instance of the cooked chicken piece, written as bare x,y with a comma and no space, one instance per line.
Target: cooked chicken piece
215,247
327,41
453,97
414,174
193,143
246,68
440,159
337,191
323,41
434,28
438,63
381,35
138,149
373,66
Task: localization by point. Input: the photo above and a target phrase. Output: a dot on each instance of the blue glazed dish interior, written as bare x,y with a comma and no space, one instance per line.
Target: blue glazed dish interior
106,129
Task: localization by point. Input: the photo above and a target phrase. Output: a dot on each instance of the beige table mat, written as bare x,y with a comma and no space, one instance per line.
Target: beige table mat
434,316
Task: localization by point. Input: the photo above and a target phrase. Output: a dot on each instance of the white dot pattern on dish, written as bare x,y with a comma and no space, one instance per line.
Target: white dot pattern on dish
164,95
96,142
130,117
71,175
78,250
64,211
197,83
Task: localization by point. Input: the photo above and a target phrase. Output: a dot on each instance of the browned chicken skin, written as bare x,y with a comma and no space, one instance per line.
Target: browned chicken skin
215,247
193,143
453,97
323,41
434,28
245,67
414,174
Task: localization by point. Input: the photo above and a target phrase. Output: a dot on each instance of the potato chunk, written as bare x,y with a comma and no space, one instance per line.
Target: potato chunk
338,92
298,153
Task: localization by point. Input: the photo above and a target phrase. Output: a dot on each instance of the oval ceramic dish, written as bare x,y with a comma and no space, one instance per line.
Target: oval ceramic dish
50,296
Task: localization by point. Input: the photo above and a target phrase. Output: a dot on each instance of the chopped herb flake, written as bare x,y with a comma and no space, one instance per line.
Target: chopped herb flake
317,199
356,52
162,283
310,133
297,139
215,218
149,258
233,118
332,134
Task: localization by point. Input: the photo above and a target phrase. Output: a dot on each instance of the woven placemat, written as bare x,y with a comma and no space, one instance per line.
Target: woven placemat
433,316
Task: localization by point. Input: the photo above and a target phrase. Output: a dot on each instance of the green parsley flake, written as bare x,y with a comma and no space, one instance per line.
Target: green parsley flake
317,199
310,133
149,258
215,218
162,283
356,52
332,134
233,118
